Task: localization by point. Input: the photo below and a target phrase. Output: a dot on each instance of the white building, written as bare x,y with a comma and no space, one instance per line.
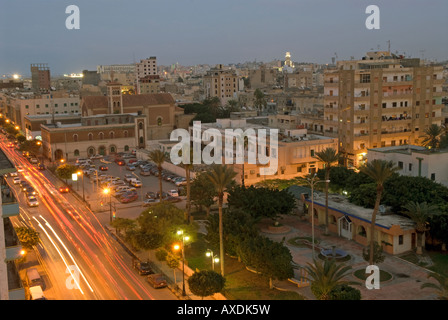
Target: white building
415,161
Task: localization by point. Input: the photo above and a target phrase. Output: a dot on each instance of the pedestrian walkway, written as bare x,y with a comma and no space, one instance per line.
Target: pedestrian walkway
406,281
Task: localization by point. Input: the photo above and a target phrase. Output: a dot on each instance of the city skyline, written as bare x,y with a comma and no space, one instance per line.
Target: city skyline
198,32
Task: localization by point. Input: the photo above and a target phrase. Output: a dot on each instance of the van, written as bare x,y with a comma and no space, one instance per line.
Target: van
33,278
37,293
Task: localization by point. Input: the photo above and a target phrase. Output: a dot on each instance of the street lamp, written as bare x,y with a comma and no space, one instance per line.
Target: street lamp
176,247
80,173
106,191
209,254
311,181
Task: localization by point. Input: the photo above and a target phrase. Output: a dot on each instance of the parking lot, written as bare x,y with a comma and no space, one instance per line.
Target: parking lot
93,190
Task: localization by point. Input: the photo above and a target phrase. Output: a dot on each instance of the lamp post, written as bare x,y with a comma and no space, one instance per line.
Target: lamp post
184,238
311,181
80,173
209,254
107,191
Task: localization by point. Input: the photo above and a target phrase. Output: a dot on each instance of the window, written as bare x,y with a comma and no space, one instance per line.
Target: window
362,231
90,135
365,78
400,164
101,136
410,167
76,153
111,135
140,125
312,153
400,239
159,121
126,148
433,176
27,107
125,133
75,138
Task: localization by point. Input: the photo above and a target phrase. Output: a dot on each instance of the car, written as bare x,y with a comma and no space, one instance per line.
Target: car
164,195
96,156
128,177
150,202
41,166
104,168
173,193
34,160
32,201
136,183
132,161
64,189
23,184
30,191
143,268
145,173
130,168
16,180
151,195
173,199
126,198
10,145
13,174
20,169
181,182
157,280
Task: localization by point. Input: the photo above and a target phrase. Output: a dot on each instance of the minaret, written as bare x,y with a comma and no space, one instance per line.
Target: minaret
114,97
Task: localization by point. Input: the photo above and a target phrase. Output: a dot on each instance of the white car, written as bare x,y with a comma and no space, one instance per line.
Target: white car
13,174
32,201
20,169
136,183
173,193
16,180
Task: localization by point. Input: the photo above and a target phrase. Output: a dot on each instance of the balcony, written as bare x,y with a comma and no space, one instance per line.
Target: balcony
394,133
10,206
15,286
391,118
12,243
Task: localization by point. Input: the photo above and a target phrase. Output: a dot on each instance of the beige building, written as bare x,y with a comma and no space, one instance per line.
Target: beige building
380,101
221,83
150,84
301,79
262,77
146,67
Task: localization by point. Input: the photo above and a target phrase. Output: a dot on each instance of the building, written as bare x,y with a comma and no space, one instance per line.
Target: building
115,68
90,77
295,152
396,234
221,83
379,101
11,287
415,161
262,77
301,79
149,84
146,67
32,123
40,77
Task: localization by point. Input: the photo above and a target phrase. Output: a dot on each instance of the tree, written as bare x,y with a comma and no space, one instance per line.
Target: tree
270,258
379,171
158,157
20,138
328,156
28,237
172,262
123,223
326,276
420,213
206,282
65,171
378,255
233,106
345,292
441,287
202,192
259,100
432,136
443,141
221,176
32,146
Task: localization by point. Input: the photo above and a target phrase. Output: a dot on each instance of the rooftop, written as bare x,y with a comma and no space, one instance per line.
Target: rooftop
6,166
408,149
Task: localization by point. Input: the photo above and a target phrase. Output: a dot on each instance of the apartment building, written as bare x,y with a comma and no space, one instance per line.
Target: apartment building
222,83
40,77
146,67
11,287
379,101
262,77
149,84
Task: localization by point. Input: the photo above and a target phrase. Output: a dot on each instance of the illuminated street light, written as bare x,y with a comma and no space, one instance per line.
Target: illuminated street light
215,258
184,238
107,191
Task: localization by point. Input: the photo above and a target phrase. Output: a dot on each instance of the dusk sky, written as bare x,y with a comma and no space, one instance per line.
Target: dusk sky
210,32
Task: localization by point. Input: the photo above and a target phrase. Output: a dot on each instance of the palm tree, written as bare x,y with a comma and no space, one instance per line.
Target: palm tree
188,167
326,276
221,176
442,287
328,157
158,157
420,213
379,171
432,136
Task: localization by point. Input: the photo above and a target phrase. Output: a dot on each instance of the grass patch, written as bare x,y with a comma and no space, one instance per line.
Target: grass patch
241,284
440,263
361,274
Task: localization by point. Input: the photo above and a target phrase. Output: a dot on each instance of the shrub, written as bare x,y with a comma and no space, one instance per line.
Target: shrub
345,292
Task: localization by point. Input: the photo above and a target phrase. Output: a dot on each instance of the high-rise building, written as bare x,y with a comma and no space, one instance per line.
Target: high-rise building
381,100
221,83
146,67
40,77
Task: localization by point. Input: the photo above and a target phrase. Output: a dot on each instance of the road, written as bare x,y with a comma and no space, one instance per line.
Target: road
79,258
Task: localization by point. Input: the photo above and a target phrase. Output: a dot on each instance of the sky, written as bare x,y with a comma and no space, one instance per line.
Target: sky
191,32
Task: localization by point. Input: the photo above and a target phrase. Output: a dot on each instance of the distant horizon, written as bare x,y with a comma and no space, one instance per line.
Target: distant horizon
193,32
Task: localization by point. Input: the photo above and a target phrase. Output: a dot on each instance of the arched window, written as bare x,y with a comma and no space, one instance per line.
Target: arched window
159,121
140,125
91,151
126,148
112,149
90,136
362,231
76,153
332,219
125,133
141,140
111,135
75,138
101,135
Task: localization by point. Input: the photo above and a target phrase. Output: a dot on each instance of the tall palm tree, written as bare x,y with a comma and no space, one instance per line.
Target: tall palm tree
326,276
188,167
158,157
379,171
328,156
221,176
441,287
420,213
432,136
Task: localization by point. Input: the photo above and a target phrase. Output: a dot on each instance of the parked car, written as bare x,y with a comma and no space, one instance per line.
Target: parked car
128,177
130,168
32,201
150,202
126,198
16,180
132,161
136,183
181,182
157,280
41,166
150,195
145,173
143,268
64,189
173,199
173,193
103,168
164,195
96,156
13,174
